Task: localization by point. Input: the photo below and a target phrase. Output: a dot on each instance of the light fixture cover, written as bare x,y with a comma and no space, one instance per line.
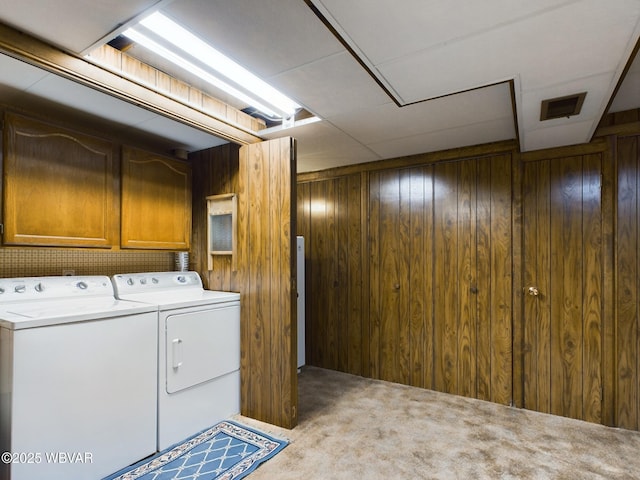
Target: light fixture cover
175,43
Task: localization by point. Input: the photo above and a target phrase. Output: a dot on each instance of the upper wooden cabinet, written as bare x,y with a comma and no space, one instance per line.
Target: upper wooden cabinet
59,186
156,201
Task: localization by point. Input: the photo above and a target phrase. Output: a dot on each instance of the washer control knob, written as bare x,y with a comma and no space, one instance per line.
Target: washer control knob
143,281
154,280
82,285
130,281
1,290
20,288
39,287
182,279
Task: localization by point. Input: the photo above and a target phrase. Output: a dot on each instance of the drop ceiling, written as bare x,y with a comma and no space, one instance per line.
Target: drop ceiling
387,78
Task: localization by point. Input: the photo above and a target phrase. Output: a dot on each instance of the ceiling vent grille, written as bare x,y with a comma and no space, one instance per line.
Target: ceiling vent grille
562,106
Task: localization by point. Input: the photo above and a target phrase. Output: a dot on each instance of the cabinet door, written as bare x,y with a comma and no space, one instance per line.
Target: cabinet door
59,186
156,201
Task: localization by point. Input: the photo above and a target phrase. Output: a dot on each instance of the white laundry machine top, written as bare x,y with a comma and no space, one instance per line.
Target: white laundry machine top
31,302
168,290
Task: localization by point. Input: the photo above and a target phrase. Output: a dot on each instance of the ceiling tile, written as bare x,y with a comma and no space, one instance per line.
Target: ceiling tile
559,46
465,135
556,136
267,37
387,122
331,85
321,145
386,30
73,25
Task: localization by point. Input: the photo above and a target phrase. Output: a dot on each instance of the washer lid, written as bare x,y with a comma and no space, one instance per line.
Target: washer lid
182,298
18,315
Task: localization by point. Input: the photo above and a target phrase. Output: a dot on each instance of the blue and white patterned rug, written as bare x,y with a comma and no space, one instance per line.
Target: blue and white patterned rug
225,451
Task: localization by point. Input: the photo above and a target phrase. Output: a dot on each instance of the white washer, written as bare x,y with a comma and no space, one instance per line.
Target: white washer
78,378
199,350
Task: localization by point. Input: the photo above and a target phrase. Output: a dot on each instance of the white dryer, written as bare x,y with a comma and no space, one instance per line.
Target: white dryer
199,350
78,378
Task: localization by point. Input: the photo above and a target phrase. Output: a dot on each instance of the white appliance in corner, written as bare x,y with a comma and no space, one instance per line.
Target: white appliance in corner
301,300
199,350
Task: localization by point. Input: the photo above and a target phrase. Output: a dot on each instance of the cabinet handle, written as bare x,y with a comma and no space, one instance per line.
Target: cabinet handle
533,291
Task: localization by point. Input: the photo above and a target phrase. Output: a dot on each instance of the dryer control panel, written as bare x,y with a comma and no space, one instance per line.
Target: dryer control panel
129,283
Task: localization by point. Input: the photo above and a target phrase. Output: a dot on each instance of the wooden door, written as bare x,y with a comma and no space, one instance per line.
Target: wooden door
472,278
441,265
267,270
564,268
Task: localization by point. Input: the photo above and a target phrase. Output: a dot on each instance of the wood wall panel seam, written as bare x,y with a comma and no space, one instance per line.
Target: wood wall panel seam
517,249
609,162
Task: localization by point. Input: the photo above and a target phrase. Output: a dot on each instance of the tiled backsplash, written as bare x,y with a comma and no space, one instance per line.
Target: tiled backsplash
37,262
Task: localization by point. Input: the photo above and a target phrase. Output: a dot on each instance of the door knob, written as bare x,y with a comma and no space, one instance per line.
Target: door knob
533,291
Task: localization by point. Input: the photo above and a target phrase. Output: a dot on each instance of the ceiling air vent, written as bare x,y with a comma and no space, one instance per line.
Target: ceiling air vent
562,106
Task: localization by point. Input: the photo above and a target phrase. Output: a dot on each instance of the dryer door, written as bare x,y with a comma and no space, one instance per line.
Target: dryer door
201,345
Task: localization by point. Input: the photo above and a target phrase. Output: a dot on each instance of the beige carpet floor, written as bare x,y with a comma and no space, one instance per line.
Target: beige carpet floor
356,428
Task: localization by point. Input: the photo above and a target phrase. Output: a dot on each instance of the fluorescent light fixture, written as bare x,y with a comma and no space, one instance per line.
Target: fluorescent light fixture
208,63
190,67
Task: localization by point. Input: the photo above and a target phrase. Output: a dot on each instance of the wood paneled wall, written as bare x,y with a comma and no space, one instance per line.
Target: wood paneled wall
627,301
267,270
417,269
410,275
